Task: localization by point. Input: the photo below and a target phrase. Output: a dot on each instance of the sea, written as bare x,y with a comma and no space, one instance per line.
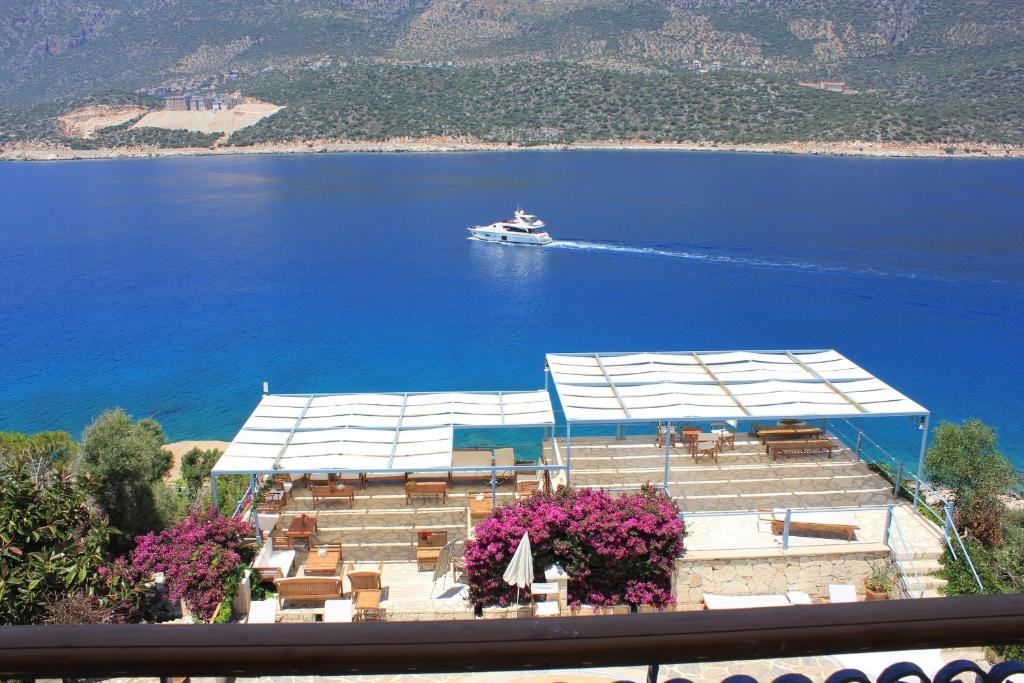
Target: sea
175,287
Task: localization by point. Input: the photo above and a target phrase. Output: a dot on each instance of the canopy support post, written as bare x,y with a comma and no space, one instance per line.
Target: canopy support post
568,452
213,487
494,488
920,461
253,512
669,433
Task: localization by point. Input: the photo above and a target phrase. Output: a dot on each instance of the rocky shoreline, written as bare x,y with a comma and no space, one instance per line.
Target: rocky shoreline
55,152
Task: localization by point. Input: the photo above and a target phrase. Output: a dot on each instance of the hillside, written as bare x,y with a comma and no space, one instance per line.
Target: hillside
562,70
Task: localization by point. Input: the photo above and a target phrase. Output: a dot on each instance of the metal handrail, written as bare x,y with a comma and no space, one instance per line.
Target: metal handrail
910,558
945,522
967,556
245,499
790,512
362,649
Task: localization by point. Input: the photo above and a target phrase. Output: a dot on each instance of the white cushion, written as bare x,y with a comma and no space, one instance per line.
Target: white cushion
338,611
281,559
799,598
744,601
262,612
546,609
842,593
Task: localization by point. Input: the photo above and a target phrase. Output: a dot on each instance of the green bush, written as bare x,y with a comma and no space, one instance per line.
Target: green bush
52,539
126,460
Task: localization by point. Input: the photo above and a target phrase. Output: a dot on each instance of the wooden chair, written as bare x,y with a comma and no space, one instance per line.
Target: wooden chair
709,452
279,540
364,580
525,489
428,548
726,434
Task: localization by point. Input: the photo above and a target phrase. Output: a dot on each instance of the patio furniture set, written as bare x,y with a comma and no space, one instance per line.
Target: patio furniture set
778,439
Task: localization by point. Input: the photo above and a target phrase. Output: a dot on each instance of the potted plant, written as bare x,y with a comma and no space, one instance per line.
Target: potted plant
879,582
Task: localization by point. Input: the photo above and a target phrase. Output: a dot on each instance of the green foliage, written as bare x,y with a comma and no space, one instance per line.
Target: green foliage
881,578
195,468
196,465
56,447
1000,568
966,458
126,460
557,103
52,541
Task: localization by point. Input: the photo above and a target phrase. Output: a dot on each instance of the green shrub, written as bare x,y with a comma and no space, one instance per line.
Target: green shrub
126,460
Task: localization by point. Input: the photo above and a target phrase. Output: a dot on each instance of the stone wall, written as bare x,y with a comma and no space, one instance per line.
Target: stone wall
777,574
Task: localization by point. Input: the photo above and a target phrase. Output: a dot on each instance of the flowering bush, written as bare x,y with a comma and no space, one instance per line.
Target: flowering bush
201,558
615,550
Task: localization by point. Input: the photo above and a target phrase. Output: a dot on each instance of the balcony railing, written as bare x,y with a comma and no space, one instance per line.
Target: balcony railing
509,645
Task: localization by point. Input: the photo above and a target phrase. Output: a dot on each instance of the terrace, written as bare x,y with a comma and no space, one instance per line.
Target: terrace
757,521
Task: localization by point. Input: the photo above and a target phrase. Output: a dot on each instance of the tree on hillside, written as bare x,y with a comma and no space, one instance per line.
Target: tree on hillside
126,460
56,446
966,459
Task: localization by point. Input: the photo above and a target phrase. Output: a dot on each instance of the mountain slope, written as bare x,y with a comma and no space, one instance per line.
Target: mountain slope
63,48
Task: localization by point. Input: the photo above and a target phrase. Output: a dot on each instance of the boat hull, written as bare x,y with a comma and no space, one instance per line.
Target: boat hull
503,237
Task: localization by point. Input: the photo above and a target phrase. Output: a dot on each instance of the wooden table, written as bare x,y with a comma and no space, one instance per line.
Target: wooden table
334,491
323,566
302,527
479,509
788,433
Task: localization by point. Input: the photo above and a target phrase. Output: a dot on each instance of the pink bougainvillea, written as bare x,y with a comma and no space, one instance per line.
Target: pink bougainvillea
615,550
199,556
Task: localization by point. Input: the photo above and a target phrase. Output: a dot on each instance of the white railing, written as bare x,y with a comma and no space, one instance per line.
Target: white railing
892,468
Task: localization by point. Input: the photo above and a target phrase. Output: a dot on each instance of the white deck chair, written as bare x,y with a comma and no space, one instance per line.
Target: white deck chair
262,612
843,592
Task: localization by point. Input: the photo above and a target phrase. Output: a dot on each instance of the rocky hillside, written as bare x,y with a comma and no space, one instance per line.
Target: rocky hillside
53,49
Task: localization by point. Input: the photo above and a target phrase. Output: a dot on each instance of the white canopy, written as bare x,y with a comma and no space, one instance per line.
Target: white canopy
371,432
720,385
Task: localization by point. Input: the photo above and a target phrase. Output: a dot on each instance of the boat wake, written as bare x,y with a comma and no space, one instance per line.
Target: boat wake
681,252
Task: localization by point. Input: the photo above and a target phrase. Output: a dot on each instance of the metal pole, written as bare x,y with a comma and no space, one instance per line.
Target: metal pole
213,486
266,388
785,529
888,525
899,480
494,488
668,452
568,453
920,460
618,432
947,525
254,513
860,437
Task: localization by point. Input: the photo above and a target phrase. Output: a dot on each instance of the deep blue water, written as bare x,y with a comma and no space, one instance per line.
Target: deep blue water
173,287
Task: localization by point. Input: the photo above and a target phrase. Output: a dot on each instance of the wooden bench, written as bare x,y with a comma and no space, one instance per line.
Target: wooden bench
426,488
334,491
766,433
309,588
428,548
799,447
813,523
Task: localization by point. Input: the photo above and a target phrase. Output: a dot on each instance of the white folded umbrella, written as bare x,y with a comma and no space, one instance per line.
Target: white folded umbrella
520,569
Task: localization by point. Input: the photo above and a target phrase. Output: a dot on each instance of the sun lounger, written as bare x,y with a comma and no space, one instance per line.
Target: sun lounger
262,612
468,458
842,593
337,611
712,601
815,522
272,564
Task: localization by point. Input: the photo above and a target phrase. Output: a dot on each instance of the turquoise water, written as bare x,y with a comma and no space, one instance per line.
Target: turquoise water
174,287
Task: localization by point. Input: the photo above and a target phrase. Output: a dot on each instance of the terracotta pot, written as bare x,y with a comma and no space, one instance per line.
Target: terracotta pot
875,595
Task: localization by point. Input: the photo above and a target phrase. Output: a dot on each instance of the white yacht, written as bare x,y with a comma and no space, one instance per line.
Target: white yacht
523,228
